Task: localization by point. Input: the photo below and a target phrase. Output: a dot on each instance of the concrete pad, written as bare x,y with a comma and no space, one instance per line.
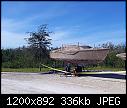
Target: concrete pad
39,83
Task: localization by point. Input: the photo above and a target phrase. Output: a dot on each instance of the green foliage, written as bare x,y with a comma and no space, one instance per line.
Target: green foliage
113,61
21,58
23,70
39,42
29,57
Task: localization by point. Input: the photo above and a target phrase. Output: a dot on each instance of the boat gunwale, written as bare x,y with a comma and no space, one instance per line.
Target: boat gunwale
76,51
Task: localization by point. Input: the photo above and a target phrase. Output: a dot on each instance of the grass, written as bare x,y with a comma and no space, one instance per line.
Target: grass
46,69
105,68
24,70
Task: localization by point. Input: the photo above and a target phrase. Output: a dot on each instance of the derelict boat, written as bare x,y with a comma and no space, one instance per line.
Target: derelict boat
79,54
122,56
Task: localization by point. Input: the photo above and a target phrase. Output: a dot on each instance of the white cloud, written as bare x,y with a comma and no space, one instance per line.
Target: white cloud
11,39
93,38
59,35
114,36
13,30
13,33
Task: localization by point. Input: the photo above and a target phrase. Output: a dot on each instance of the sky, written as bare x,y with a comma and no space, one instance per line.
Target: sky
89,23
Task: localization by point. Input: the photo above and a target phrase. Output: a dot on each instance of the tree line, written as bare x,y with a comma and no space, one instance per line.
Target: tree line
38,50
111,60
26,57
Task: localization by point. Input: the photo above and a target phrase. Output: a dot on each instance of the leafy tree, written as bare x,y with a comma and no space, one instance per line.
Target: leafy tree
111,59
39,43
26,57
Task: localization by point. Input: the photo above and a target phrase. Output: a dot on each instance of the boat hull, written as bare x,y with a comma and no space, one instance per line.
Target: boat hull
122,56
90,56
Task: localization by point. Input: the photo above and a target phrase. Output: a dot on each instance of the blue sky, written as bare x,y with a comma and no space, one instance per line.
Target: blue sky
89,23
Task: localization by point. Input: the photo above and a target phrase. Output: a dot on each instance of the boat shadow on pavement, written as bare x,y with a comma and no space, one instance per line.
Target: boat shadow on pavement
107,75
112,75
